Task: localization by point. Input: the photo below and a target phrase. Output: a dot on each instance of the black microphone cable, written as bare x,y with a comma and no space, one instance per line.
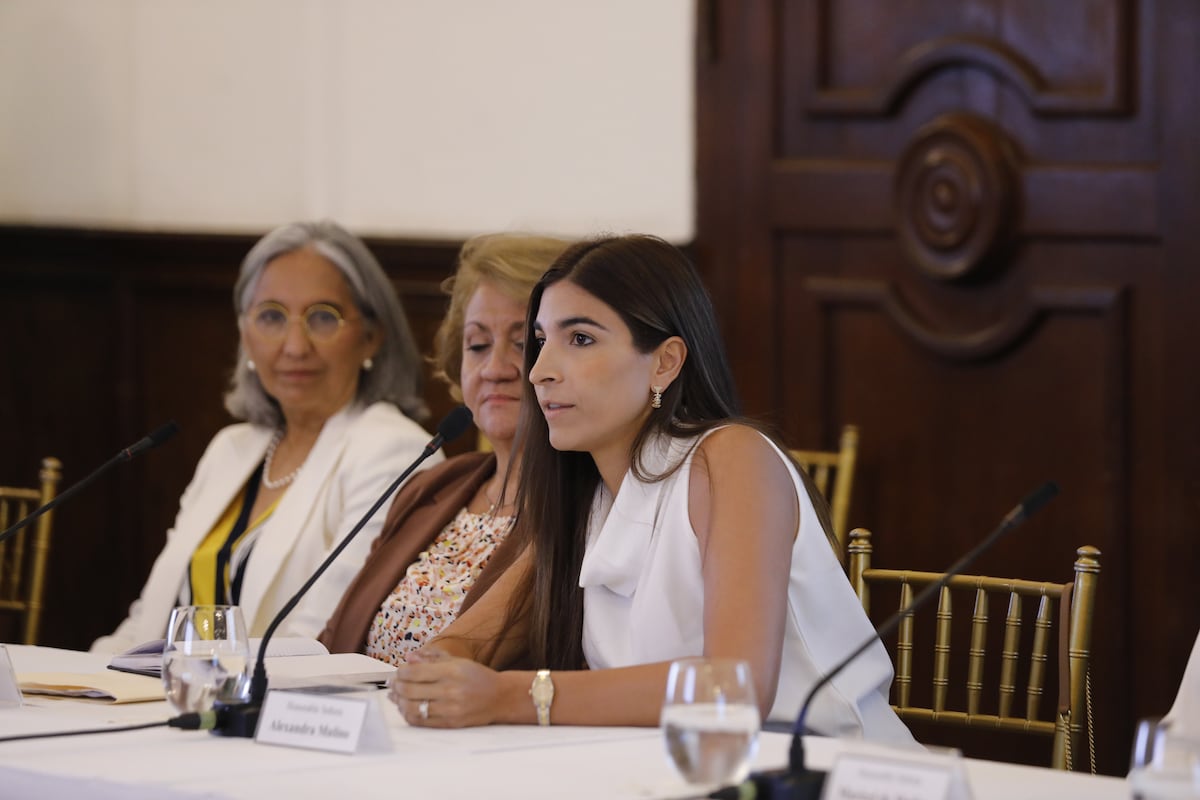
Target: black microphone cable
86,731
191,721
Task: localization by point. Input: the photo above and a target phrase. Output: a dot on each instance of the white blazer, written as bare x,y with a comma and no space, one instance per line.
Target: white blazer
358,453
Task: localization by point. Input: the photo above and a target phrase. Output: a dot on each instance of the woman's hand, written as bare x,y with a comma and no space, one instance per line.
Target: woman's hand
435,690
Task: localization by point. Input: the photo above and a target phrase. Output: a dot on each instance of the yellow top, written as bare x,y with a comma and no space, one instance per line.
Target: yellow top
203,569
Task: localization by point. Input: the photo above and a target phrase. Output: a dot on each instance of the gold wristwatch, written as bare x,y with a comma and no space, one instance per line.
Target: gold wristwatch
542,692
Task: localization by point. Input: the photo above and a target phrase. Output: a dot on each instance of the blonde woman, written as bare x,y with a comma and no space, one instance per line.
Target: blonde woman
446,536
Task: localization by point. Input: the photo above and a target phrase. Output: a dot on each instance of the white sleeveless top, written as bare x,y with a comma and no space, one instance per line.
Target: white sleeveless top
644,601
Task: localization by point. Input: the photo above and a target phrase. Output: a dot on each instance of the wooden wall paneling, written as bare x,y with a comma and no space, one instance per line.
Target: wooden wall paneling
115,333
732,139
1163,615
56,353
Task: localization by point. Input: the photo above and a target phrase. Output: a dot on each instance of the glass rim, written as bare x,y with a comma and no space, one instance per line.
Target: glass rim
710,660
207,605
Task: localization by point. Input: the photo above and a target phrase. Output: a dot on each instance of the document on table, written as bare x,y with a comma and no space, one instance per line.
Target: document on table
282,671
115,687
146,658
295,672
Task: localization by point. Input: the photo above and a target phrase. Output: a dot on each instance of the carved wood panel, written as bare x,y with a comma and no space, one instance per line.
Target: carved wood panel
1019,43
963,227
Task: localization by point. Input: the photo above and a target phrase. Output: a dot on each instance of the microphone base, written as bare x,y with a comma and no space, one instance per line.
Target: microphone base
237,720
783,784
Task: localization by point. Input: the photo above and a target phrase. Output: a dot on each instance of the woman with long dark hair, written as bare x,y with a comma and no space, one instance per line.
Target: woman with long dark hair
659,525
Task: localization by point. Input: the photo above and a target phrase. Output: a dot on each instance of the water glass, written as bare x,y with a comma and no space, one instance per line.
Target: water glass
206,658
710,720
1165,764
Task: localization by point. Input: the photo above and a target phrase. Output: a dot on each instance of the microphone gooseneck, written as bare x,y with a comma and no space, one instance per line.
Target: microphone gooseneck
157,437
241,719
796,781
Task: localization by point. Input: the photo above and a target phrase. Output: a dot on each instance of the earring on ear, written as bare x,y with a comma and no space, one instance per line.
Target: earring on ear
656,400
368,365
250,365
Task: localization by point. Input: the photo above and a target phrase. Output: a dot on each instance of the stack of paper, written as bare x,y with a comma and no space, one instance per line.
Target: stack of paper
116,687
284,671
146,659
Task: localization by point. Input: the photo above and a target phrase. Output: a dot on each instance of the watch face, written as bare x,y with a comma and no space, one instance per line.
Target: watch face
542,690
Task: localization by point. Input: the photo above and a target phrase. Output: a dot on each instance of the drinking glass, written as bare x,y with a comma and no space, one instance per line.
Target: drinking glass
1165,764
710,719
206,658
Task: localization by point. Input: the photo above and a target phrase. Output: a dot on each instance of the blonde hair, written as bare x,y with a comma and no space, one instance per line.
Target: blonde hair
514,262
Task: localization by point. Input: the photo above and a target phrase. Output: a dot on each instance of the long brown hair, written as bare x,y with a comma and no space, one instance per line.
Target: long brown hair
658,294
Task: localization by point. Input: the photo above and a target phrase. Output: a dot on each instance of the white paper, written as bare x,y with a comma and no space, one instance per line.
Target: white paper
924,776
294,672
146,658
323,720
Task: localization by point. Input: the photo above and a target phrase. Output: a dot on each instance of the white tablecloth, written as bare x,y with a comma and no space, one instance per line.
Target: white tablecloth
519,762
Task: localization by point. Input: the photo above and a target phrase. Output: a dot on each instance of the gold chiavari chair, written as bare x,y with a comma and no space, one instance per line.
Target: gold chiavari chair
1076,602
23,562
833,473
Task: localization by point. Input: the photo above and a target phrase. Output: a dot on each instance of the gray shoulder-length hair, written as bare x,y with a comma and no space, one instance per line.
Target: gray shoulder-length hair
396,375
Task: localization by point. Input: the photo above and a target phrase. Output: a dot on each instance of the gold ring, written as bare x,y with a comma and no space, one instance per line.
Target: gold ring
423,709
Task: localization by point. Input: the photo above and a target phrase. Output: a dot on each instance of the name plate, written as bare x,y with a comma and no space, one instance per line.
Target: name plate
859,776
317,719
10,690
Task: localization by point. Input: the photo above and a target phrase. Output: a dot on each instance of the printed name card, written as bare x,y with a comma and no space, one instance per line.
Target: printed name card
321,720
858,776
10,691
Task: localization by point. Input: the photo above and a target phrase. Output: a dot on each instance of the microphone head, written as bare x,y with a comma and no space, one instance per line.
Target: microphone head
162,433
454,424
1039,497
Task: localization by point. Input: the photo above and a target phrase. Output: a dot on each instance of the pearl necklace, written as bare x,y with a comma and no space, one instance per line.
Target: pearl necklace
266,474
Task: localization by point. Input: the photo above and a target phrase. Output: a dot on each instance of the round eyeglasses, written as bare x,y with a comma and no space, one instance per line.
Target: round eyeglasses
321,321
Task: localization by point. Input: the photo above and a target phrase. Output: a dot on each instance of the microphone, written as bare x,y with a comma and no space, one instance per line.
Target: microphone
241,719
156,437
796,781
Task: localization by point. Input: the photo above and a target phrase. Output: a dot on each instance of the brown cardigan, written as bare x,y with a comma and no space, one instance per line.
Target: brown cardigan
422,508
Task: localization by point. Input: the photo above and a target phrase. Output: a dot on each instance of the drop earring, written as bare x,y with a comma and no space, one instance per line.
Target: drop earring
250,364
656,400
368,365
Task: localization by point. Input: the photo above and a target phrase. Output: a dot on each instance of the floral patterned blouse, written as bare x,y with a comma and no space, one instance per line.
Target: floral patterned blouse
429,595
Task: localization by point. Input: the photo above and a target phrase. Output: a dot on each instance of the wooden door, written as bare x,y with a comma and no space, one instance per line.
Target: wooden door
971,228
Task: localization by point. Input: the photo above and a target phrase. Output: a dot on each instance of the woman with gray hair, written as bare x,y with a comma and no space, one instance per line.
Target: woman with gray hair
326,365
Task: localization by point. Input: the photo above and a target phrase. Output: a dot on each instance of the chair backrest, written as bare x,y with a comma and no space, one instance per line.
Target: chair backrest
1076,606
23,563
833,473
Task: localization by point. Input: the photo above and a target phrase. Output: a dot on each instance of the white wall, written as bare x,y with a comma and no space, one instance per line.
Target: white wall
396,117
